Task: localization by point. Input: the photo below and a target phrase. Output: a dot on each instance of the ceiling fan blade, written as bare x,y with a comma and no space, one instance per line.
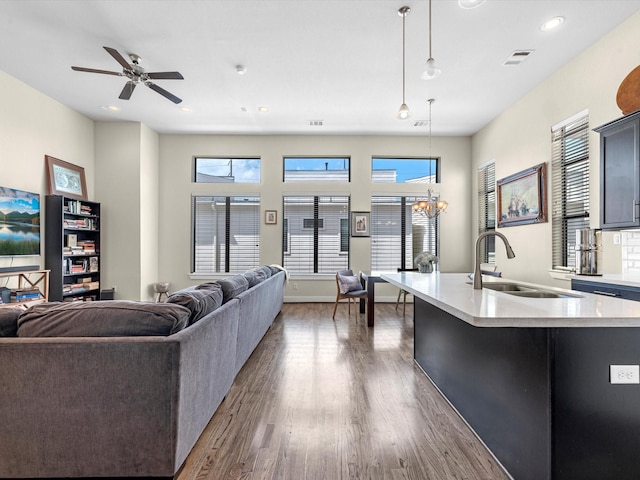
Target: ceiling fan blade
119,58
93,70
165,75
163,92
127,91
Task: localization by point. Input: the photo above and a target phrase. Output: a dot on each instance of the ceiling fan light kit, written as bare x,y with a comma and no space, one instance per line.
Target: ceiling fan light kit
136,75
467,4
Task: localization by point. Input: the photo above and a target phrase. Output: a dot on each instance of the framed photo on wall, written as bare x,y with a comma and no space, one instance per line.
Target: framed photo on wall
66,178
522,197
360,224
270,217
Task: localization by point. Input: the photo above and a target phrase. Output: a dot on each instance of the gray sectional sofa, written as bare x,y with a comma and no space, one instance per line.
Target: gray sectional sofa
131,405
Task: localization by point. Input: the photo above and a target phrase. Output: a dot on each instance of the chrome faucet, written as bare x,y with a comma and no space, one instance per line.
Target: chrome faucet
477,274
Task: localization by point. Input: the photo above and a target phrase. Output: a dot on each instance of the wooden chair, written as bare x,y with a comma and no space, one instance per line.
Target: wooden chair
404,293
355,295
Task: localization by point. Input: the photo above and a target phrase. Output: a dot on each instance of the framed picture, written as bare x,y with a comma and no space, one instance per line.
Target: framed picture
270,217
360,224
66,178
522,197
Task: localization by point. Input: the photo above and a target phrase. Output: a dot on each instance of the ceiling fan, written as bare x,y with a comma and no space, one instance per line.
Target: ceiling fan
136,74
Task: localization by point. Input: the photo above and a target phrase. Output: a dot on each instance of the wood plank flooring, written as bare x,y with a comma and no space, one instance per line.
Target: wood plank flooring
320,399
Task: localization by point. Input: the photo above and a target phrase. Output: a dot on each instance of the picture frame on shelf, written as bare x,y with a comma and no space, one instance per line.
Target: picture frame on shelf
360,224
522,197
271,217
65,178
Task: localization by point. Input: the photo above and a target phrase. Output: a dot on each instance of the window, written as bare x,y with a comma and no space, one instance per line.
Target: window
487,211
319,245
226,233
570,187
404,170
398,234
316,169
227,170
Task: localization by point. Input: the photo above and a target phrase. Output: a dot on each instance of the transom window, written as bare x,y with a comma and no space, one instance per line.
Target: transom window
227,170
316,169
404,170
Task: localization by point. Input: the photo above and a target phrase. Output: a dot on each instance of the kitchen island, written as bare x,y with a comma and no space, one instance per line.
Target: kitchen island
531,376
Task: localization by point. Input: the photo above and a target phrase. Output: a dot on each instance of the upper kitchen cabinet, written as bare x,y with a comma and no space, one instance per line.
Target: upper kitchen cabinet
620,172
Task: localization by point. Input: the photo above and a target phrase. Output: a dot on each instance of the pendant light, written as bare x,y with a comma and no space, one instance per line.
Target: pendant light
404,111
431,71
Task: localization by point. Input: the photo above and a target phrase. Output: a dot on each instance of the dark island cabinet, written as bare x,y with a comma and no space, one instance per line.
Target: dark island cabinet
620,172
72,248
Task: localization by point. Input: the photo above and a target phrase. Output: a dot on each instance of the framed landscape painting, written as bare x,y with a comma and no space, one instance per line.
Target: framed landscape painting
522,197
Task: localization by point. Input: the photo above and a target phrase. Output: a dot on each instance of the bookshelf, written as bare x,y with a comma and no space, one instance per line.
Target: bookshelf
25,288
72,248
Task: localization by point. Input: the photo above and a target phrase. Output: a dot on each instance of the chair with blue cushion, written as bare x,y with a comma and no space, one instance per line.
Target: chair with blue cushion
350,287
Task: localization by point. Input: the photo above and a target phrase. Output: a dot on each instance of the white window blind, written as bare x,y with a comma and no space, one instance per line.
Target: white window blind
487,210
314,239
570,188
226,233
398,234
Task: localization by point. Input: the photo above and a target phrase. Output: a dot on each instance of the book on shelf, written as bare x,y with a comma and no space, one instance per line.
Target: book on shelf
76,206
72,240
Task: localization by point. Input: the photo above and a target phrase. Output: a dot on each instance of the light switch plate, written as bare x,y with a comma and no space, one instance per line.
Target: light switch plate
624,374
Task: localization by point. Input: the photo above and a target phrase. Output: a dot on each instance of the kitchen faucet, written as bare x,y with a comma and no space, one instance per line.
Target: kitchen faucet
477,274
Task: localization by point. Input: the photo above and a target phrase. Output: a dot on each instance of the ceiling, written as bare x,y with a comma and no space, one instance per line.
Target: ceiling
335,62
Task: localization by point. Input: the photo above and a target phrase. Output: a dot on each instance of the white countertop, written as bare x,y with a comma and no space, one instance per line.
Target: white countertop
453,293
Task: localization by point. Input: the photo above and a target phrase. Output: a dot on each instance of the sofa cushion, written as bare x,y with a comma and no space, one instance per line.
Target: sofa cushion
233,286
9,321
254,277
200,302
267,271
120,318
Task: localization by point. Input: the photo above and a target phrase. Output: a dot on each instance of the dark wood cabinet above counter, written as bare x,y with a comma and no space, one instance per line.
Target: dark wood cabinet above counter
620,172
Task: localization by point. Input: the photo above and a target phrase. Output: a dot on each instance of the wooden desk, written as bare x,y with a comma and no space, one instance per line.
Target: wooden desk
372,279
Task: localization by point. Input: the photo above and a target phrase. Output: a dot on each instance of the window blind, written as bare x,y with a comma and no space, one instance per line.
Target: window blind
398,234
315,233
226,233
487,210
570,188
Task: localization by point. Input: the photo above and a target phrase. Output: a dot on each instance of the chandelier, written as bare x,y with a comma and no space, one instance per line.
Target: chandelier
431,207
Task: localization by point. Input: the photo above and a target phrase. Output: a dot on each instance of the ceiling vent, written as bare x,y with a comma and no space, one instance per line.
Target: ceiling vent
316,123
421,123
517,57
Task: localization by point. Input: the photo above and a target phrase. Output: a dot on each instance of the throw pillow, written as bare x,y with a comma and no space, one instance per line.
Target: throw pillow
117,318
200,302
349,283
9,321
233,286
254,277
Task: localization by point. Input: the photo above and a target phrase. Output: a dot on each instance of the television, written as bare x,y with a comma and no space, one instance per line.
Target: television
19,223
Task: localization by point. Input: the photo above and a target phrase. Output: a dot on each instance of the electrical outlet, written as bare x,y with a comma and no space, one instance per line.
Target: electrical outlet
617,239
625,374
295,285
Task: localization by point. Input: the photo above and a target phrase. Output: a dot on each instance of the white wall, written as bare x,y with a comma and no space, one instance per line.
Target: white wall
176,189
33,125
521,138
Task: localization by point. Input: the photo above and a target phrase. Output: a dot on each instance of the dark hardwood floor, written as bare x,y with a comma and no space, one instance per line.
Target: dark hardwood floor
320,399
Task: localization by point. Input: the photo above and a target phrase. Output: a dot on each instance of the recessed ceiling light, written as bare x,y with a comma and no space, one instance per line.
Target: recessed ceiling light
470,3
552,23
185,109
263,109
241,69
112,108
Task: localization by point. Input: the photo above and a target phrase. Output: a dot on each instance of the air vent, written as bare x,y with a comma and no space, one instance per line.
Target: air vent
421,123
316,123
517,57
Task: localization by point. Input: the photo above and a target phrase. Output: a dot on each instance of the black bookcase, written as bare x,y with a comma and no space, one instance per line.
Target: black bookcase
72,248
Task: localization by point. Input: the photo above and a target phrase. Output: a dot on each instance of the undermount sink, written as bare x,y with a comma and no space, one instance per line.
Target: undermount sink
507,287
529,292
